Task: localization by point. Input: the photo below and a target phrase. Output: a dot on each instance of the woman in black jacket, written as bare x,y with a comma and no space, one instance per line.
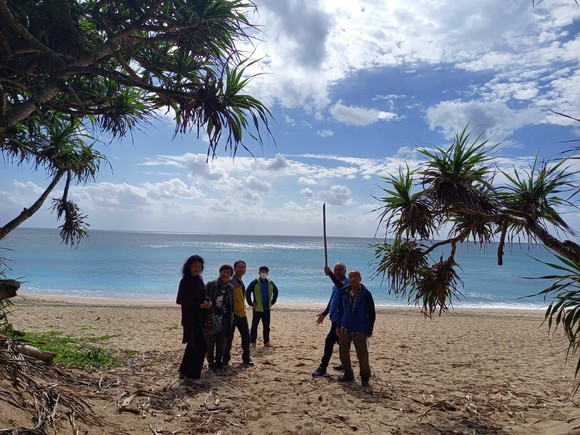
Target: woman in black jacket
194,305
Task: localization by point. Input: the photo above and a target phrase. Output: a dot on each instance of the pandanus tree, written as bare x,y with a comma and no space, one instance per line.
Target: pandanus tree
454,199
77,72
72,71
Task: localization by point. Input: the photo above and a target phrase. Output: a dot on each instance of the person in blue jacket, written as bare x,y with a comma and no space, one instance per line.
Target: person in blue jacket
354,325
331,311
261,294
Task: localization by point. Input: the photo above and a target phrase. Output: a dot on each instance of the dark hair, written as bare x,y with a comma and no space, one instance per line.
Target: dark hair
264,268
186,271
228,267
239,262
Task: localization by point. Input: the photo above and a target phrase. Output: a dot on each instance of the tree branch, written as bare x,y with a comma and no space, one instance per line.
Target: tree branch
28,212
27,36
567,249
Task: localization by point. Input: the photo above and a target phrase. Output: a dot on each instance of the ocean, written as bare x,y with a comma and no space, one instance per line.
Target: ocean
147,266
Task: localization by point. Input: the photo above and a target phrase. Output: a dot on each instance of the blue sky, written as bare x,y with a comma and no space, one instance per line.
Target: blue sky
355,88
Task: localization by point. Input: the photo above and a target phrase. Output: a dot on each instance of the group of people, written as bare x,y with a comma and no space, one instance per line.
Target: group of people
210,314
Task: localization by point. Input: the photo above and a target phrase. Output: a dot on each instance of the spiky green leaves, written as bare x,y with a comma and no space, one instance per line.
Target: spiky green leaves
405,264
456,177
537,193
405,211
74,229
564,311
436,286
401,262
221,105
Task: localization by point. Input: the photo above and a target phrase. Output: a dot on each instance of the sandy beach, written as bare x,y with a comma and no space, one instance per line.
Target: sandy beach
468,372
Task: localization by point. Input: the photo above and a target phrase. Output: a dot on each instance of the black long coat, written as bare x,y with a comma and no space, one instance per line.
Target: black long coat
190,295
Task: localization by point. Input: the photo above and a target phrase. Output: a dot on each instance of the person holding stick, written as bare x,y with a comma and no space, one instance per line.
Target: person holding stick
332,309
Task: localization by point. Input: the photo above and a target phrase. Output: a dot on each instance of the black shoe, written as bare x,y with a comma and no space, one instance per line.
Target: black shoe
320,373
338,368
347,377
225,363
249,363
365,383
191,382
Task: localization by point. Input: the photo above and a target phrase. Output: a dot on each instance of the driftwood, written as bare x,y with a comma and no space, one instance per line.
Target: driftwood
8,288
35,353
48,393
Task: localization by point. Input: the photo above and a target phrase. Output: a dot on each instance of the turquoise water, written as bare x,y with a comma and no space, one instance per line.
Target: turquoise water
147,266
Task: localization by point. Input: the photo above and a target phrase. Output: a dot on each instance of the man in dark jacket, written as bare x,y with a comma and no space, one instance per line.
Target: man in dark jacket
354,324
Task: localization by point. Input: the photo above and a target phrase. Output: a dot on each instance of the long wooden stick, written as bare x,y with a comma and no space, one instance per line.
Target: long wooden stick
324,232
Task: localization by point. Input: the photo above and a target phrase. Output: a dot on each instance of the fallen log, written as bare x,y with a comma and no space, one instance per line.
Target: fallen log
35,353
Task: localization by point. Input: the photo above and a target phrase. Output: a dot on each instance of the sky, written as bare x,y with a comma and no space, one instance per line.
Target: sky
355,89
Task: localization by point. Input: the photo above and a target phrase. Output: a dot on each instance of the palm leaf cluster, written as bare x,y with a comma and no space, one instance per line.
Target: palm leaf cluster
436,286
409,213
537,193
455,177
564,310
72,71
401,262
455,191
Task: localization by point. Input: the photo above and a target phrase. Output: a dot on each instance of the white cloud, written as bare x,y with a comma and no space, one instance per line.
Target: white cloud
496,118
508,40
172,189
257,185
278,163
289,120
307,192
307,181
299,28
337,195
325,133
351,115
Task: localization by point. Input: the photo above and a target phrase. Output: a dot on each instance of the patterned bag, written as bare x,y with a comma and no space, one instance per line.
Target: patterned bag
213,323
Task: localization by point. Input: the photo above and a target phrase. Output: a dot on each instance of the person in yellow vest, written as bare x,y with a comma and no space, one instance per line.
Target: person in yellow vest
239,320
261,294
